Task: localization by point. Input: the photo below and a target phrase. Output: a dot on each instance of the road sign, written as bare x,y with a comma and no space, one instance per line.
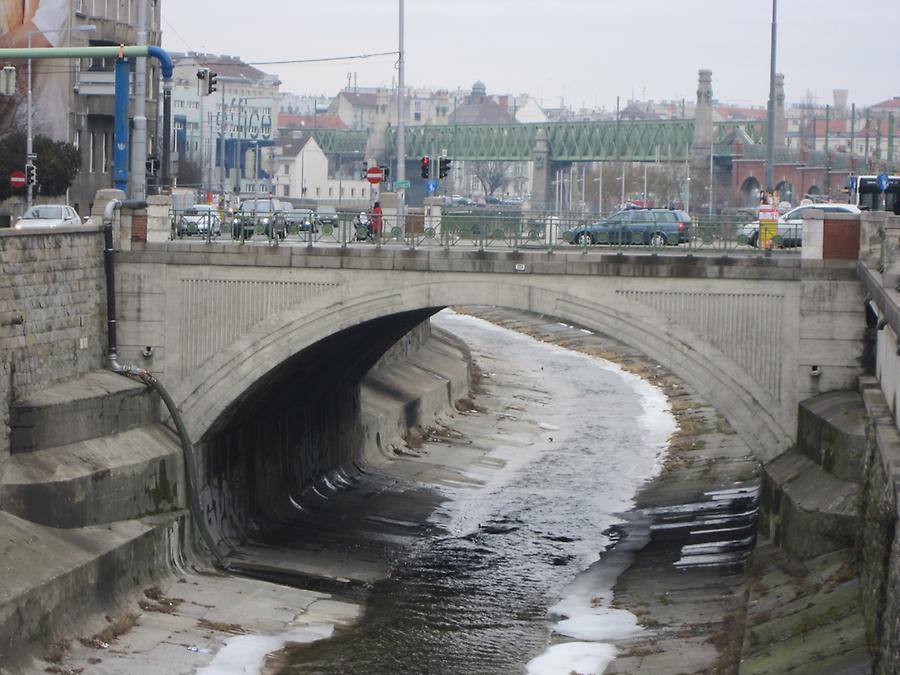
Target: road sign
431,185
374,175
882,181
401,184
17,179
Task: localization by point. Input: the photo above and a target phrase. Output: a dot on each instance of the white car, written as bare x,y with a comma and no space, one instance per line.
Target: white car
790,225
196,219
48,215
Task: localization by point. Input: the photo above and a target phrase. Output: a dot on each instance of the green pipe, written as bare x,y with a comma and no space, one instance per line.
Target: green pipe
89,52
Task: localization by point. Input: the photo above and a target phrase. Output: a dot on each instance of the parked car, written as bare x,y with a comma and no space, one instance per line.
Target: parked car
327,215
48,215
655,227
264,215
197,220
790,225
300,220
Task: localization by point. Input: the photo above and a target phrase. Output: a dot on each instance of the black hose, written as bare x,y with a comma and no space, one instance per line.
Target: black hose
190,466
143,375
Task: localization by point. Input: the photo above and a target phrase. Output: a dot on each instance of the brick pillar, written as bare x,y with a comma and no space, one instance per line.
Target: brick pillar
703,129
780,119
540,183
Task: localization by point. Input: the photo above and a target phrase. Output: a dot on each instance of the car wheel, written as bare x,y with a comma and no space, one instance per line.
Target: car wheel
657,240
584,239
753,240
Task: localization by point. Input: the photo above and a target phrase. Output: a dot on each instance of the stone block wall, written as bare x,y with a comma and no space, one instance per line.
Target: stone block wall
880,543
52,311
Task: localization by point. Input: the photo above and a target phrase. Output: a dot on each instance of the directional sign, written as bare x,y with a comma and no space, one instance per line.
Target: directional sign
374,175
17,179
401,184
882,181
431,185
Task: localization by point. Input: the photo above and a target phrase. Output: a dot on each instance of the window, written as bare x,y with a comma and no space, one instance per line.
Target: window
91,141
104,154
284,191
287,169
77,140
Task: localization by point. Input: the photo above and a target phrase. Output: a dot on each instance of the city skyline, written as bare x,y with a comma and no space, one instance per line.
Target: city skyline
577,53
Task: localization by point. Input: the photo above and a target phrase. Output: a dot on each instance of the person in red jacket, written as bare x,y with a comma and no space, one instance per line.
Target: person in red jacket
377,220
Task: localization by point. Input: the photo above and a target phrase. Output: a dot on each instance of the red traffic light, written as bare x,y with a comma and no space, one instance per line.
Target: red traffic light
426,167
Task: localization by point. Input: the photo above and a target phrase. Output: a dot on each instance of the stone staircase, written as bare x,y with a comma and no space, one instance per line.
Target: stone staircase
89,458
804,611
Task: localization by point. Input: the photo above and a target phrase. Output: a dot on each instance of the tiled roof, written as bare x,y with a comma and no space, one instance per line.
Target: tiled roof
293,147
291,121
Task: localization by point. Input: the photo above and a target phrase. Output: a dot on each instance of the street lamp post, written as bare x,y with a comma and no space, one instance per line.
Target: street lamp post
770,131
29,141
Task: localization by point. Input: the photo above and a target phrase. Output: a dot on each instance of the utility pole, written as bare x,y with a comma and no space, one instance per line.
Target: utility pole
401,126
139,144
222,146
770,131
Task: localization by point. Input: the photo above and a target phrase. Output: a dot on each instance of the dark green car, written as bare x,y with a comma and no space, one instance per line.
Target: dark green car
641,227
264,215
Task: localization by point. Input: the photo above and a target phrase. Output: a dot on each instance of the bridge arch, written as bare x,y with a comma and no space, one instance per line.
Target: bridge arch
677,329
750,192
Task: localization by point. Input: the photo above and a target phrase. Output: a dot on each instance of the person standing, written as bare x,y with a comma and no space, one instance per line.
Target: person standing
377,220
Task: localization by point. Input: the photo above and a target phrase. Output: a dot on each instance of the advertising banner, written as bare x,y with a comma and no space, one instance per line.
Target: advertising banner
37,23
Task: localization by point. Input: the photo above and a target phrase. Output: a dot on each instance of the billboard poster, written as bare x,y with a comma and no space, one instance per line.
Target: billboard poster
42,23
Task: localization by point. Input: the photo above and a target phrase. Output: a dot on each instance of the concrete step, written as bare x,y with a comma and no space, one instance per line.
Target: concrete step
807,511
91,406
52,579
831,430
100,480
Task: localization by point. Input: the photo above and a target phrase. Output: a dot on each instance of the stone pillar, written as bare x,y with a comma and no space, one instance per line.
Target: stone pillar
703,128
388,202
780,119
159,225
433,210
101,199
540,177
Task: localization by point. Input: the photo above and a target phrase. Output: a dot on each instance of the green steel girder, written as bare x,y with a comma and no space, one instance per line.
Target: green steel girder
341,141
633,141
573,142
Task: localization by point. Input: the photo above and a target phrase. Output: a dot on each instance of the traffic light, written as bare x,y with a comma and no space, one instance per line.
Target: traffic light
211,81
202,74
30,174
443,167
386,171
426,168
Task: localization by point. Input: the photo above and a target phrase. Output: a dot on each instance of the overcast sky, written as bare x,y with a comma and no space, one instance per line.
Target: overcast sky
582,52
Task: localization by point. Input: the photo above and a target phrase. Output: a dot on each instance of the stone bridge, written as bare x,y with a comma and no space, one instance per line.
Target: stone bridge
219,322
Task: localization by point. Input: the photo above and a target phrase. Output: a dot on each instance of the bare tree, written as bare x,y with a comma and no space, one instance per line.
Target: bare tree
492,175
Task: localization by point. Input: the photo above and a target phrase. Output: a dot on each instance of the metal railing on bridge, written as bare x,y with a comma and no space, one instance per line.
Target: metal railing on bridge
481,230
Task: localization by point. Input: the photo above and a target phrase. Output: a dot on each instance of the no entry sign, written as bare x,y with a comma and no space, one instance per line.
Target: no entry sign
374,175
17,179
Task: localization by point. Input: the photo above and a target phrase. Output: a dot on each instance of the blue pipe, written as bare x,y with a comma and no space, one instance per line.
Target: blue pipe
120,151
165,61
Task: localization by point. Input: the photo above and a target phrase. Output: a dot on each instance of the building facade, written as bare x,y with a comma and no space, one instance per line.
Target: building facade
215,136
89,123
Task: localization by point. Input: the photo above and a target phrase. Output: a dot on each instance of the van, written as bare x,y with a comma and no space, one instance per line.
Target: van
866,192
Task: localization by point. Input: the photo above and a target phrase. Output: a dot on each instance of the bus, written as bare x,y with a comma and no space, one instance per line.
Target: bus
865,192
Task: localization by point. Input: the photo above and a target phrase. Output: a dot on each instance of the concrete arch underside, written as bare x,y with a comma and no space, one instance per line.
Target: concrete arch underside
719,341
